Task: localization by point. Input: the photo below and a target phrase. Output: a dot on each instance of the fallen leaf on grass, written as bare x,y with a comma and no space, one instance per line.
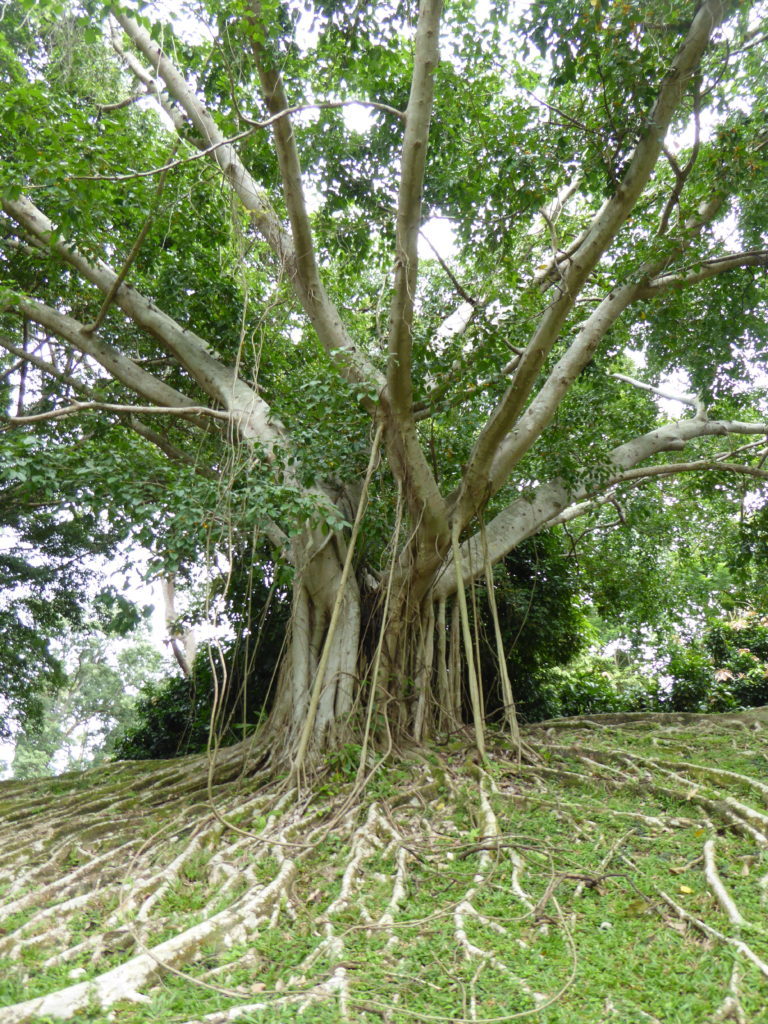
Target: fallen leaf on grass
637,907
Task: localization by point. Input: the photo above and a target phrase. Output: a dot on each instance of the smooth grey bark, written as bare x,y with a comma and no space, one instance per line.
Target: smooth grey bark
524,517
342,350
317,584
476,484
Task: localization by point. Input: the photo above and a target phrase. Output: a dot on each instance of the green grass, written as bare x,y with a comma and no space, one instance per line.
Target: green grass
596,939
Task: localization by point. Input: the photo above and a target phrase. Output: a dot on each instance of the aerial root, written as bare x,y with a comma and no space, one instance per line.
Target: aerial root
707,788
99,867
12,944
387,919
718,774
364,842
731,1008
581,811
99,876
611,1008
376,833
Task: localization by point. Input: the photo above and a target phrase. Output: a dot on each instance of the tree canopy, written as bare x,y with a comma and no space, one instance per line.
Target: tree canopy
224,326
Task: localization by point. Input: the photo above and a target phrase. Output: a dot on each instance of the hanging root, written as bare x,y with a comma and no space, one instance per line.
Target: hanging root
474,688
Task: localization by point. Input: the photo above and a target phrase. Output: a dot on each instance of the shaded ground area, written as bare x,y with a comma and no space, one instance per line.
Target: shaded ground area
621,877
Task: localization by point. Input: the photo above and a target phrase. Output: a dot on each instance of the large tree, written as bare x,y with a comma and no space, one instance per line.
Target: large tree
239,283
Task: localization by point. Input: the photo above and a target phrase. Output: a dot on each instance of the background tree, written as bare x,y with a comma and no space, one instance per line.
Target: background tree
238,286
231,687
81,721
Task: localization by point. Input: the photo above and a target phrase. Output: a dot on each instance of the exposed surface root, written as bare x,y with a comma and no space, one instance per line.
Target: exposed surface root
447,892
465,908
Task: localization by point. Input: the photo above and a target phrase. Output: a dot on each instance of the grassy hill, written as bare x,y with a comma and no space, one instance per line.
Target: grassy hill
618,875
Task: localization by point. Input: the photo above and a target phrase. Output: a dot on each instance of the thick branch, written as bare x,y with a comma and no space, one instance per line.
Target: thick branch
30,359
205,151
136,410
686,399
129,418
276,100
350,362
604,227
132,422
119,366
250,413
542,409
79,388
643,473
525,517
131,258
152,86
707,269
407,456
413,164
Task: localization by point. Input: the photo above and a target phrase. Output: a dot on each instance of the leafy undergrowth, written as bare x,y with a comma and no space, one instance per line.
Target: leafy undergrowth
622,876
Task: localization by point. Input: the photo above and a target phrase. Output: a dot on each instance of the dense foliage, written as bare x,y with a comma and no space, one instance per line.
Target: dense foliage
81,720
218,307
725,669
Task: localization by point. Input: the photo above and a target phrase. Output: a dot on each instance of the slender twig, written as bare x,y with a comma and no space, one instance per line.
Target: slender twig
682,173
144,410
669,395
135,249
454,280
324,105
238,137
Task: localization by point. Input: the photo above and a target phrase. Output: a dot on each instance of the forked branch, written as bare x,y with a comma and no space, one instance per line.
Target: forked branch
251,413
119,366
350,361
644,284
603,229
526,516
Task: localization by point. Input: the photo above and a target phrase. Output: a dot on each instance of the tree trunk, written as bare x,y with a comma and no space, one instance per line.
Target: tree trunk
404,650
391,659
313,628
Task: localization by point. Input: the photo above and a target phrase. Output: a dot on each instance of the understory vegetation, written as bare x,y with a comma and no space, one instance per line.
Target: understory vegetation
726,669
620,874
140,709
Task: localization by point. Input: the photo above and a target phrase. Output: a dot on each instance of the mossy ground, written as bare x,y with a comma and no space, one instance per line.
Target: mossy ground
447,891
